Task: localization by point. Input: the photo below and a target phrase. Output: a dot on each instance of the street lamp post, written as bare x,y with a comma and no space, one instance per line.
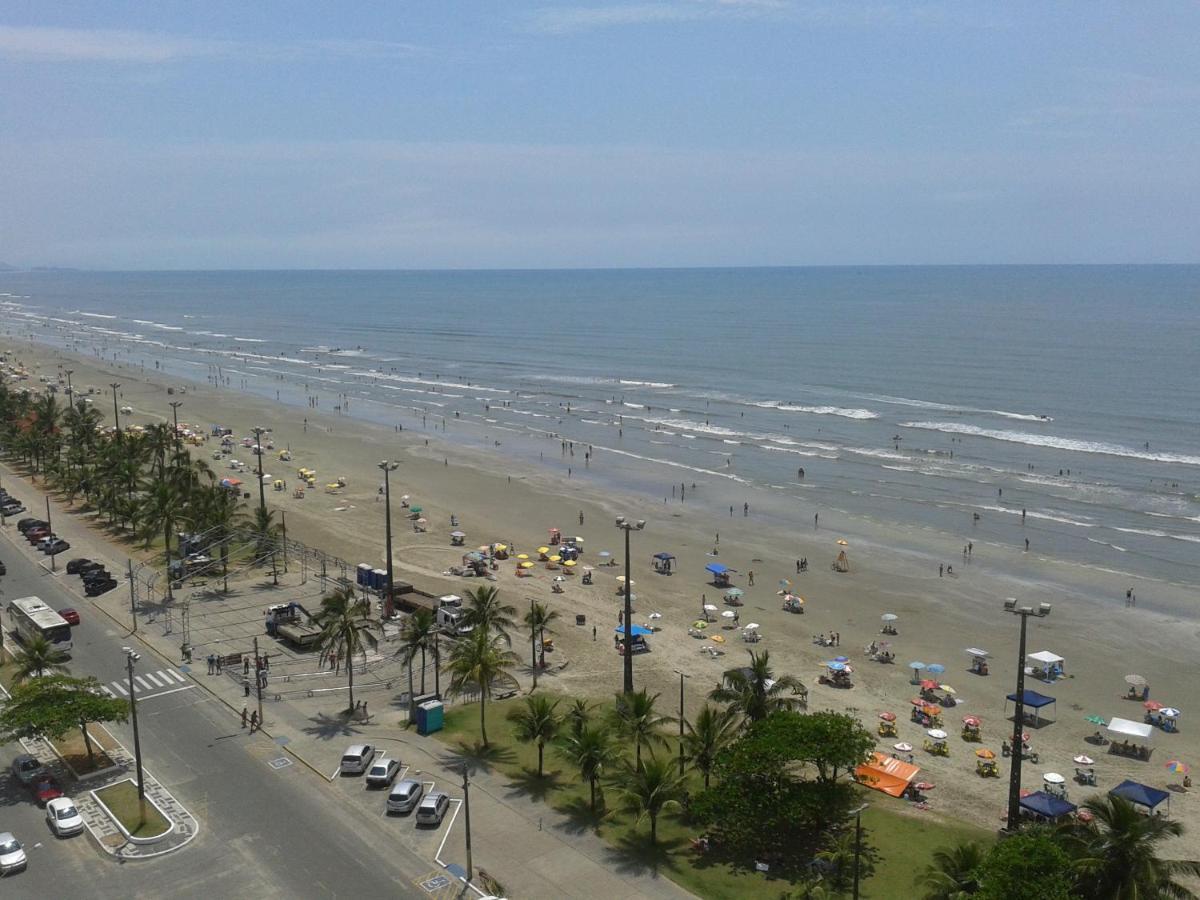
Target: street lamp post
1014,778
681,677
262,497
175,404
627,526
130,659
50,528
116,416
70,390
857,813
387,467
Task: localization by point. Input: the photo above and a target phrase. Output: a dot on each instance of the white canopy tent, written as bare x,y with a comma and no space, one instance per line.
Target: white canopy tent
975,651
1044,659
1126,728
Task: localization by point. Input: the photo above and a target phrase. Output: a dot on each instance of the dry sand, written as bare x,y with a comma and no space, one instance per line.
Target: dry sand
939,616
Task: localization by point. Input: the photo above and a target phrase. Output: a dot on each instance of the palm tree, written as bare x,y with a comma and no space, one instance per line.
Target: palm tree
37,658
538,721
713,731
538,621
161,509
579,715
347,629
839,854
485,612
634,717
476,661
755,693
592,750
417,636
264,528
1120,853
646,790
951,875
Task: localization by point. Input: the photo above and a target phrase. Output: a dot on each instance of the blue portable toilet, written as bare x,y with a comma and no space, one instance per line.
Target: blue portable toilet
364,574
379,579
430,716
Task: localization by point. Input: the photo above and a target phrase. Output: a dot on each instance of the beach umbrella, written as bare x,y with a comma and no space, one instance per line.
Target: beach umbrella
947,689
889,617
422,521
570,563
888,716
728,614
604,554
522,556
1053,778
699,624
526,565
903,747
843,542
916,665
753,626
1083,759
559,578
784,584
928,685
588,569
458,534
1152,705
973,721
620,578
1135,680
414,509
917,702
717,639
931,710
556,558
656,615
924,785
936,733
935,668
1170,712
1024,737
841,659
835,666
1178,767
985,753
708,607
1095,720
734,592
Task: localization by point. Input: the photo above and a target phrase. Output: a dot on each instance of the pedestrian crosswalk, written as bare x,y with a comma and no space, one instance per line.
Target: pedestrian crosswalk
164,681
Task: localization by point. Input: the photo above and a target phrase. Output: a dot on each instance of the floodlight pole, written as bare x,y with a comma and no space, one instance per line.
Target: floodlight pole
1014,777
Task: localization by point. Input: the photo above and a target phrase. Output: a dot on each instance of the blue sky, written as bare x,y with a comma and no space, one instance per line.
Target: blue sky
659,133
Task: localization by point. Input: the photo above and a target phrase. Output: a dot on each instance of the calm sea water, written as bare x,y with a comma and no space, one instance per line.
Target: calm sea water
916,395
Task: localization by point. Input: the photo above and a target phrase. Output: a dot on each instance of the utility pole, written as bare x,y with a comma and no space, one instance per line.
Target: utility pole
388,466
70,390
175,404
258,681
132,595
262,497
467,809
681,677
627,526
1018,746
533,641
116,416
50,525
130,659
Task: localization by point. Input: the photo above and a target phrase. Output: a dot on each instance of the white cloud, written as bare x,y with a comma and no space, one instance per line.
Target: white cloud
37,44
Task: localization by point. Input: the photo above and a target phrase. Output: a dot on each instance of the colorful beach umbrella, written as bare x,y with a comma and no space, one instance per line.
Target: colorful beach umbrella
916,665
1178,767
973,721
1152,705
903,747
522,556
526,565
928,685
1095,720
985,753
734,592
947,689
888,716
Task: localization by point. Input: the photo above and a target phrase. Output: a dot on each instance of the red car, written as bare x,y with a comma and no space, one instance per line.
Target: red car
45,789
70,615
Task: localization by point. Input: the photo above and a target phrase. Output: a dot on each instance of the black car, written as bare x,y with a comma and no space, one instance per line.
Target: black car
75,565
88,568
96,575
25,524
96,588
56,546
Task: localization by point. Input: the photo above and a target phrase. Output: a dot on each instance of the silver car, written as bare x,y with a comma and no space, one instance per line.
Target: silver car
12,854
383,772
405,796
27,768
433,809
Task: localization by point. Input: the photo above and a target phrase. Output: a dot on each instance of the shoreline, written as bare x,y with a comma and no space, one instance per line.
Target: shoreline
499,500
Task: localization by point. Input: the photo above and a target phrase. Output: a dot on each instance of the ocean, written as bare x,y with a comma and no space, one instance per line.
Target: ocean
991,404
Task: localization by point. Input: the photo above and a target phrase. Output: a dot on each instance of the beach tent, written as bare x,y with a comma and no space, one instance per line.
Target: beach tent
976,651
886,773
1141,794
1048,662
1033,700
635,630
842,563
720,574
1126,729
1046,806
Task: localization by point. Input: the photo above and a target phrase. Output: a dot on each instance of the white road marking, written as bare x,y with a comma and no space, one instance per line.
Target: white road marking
177,676
149,676
141,681
120,687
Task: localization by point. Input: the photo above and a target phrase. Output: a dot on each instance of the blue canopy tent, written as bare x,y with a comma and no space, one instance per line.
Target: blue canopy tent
1045,806
663,563
635,630
1032,700
1141,794
720,574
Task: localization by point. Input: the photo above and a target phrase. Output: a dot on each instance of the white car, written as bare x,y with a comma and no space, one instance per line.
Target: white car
12,854
63,817
383,772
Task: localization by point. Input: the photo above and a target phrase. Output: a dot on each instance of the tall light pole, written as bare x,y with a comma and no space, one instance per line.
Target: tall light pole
857,813
130,659
262,497
681,677
467,811
50,527
70,390
1014,777
387,466
175,404
627,526
116,416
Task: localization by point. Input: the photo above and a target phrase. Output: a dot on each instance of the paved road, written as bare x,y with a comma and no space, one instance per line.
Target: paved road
265,832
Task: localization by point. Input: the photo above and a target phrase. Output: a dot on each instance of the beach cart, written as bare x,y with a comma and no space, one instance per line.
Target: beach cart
277,484
979,660
935,744
555,536
457,538
720,574
663,563
985,763
793,604
972,728
887,724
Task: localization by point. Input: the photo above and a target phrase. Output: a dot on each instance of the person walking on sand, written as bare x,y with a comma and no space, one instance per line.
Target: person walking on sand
254,721
750,576
581,517
1026,545
244,715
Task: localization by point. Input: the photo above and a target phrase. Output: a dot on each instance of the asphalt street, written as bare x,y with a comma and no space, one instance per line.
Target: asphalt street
265,831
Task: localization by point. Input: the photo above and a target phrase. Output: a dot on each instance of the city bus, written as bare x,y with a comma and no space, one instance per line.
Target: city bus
32,618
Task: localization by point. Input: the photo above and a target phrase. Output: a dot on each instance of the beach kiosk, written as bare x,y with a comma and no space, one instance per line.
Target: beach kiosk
1032,700
886,773
979,660
1142,795
720,574
1128,738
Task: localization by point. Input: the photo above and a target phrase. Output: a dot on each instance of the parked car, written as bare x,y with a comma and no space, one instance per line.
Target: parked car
70,614
35,534
74,565
96,588
357,758
12,854
95,575
55,547
433,808
3,568
46,540
62,817
12,509
27,768
383,772
404,796
45,789
25,524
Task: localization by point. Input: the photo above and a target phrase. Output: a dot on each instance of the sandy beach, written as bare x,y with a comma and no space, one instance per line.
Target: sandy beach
1101,638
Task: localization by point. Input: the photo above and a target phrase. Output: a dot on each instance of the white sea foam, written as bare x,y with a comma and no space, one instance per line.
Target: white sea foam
246,340
649,384
1058,443
98,316
1036,514
816,410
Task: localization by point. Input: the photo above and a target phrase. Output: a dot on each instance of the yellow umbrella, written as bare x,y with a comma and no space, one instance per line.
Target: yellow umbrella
947,689
543,550
843,543
717,639
522,556
502,546
555,558
526,565
570,563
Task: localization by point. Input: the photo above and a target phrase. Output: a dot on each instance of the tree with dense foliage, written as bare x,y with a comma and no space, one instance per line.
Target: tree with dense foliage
38,657
579,715
477,661
537,721
634,717
952,873
52,705
754,692
347,629
646,789
1029,864
538,621
593,750
485,612
711,732
418,636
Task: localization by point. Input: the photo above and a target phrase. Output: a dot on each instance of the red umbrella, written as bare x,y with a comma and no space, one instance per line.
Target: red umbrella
971,720
1152,705
924,786
888,716
918,701
1025,737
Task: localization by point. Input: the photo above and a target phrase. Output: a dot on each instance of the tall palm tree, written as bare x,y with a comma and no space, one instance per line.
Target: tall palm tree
537,721
37,658
579,715
484,612
754,692
1120,859
634,717
713,730
477,661
264,528
418,635
161,509
951,874
593,750
347,629
646,790
538,621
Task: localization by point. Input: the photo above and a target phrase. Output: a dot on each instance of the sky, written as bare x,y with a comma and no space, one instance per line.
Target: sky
183,135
